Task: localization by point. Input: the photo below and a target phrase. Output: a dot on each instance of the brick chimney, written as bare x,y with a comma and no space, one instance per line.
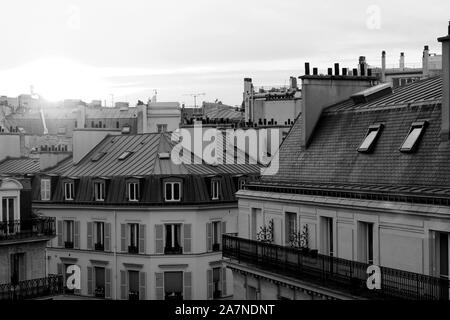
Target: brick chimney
321,91
425,62
445,127
402,60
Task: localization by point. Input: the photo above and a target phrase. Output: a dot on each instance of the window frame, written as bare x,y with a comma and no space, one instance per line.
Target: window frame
71,190
136,191
46,185
172,183
99,192
125,155
421,125
377,128
215,189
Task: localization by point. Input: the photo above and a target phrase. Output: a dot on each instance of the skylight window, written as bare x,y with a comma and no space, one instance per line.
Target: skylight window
125,155
98,156
415,133
369,141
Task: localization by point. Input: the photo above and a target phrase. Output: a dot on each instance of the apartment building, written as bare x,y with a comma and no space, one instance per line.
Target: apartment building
365,181
138,225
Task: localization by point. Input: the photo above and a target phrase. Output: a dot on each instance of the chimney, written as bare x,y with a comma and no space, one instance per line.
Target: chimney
445,127
383,66
293,82
402,61
319,92
425,62
362,66
307,68
81,116
248,99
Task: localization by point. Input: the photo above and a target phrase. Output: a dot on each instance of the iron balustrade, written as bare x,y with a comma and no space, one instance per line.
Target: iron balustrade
34,288
332,272
22,229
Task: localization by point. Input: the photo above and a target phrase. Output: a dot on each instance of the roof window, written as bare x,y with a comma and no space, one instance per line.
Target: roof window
125,155
372,135
415,134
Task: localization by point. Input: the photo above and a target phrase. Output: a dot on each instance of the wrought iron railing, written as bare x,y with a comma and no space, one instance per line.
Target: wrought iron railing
21,229
34,288
336,273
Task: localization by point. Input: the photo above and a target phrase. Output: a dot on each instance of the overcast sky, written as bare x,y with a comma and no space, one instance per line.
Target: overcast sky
91,49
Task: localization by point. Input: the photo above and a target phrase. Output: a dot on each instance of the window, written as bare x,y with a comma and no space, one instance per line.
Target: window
291,226
366,242
215,189
45,189
125,155
162,128
8,210
173,285
69,190
173,239
217,285
133,283
252,293
99,236
216,235
133,191
68,234
371,137
99,191
133,246
415,133
327,235
172,191
98,156
18,269
126,129
99,276
441,254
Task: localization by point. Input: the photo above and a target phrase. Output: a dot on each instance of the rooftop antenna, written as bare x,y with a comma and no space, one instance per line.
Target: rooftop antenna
195,95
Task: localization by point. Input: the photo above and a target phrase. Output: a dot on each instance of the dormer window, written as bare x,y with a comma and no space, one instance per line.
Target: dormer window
69,190
45,189
133,191
172,191
215,189
371,137
415,134
99,191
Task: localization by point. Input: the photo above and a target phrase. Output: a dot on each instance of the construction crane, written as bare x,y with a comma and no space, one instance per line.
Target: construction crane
41,110
195,95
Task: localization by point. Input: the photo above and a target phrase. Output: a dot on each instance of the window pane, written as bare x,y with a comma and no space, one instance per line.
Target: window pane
368,140
4,210
173,282
412,138
11,209
168,191
169,235
176,191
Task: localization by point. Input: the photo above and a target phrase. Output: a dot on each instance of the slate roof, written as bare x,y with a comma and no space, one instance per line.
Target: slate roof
19,166
331,160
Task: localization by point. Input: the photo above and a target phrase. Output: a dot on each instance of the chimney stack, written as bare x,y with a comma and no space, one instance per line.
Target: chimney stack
425,61
336,69
293,82
362,66
402,60
445,127
383,66
307,68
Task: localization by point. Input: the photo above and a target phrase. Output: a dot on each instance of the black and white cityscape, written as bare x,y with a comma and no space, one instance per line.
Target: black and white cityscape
221,151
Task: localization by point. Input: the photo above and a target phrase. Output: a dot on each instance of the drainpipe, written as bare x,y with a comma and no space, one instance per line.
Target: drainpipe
115,255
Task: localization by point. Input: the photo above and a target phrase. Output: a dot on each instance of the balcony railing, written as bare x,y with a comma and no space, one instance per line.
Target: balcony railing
133,249
22,229
173,250
35,288
334,273
99,247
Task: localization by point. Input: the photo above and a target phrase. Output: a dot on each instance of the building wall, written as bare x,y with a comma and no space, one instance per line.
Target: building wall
197,262
278,110
10,146
34,260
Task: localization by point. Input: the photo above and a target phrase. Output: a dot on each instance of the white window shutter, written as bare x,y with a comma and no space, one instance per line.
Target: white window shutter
142,238
108,286
90,280
77,235
123,285
159,238
123,239
187,279
142,286
59,232
90,235
209,283
187,234
209,237
159,285
107,236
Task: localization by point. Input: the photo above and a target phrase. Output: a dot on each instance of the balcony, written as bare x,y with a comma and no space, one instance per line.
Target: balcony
133,295
44,227
334,273
30,289
173,250
99,247
133,249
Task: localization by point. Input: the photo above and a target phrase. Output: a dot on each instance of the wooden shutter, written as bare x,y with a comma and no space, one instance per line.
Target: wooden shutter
123,285
159,285
123,237
107,236
59,233
224,282
209,237
159,238
108,286
187,279
142,238
76,244
209,284
187,234
90,235
142,286
90,280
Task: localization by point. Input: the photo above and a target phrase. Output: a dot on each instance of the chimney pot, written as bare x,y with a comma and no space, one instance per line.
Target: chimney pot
315,71
344,71
336,69
330,71
307,68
